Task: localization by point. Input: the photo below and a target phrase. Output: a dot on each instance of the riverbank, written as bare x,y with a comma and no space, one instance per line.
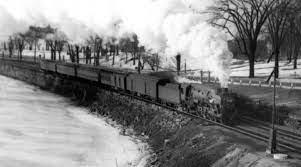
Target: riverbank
176,140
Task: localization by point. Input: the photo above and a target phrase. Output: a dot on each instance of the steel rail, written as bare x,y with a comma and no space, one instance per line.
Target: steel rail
240,130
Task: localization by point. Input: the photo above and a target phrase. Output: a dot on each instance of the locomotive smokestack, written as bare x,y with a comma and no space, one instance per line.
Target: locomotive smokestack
178,58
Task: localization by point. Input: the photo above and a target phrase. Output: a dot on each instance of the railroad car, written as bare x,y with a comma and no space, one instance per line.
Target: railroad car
68,69
88,72
202,100
106,78
143,85
120,80
48,65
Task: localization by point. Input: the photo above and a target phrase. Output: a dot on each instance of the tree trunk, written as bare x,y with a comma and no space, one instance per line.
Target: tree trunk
290,53
89,53
97,58
252,47
113,60
270,58
251,66
134,60
20,51
296,57
35,48
178,58
139,63
77,54
295,61
54,54
60,56
10,52
277,63
86,54
117,50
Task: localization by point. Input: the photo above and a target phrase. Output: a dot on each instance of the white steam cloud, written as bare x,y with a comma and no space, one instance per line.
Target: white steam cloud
165,26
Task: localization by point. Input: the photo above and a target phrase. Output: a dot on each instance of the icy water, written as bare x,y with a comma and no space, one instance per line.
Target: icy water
41,129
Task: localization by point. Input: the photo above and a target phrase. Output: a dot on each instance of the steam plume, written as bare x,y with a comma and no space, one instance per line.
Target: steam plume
165,26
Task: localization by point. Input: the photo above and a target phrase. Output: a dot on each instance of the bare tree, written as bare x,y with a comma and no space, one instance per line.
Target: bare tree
296,26
34,33
20,44
134,47
60,39
243,20
71,52
96,44
296,36
124,44
10,46
278,26
52,44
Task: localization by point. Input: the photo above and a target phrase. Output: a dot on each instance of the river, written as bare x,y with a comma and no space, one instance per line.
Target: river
42,129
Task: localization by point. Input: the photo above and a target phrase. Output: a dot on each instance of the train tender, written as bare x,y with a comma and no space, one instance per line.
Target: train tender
208,101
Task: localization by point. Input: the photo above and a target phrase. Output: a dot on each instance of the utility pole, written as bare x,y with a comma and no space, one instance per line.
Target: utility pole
157,61
273,132
185,66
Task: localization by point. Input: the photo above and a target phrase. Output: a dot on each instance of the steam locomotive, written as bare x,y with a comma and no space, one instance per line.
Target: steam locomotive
210,102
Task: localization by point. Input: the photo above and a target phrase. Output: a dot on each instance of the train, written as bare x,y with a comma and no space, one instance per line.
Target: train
213,103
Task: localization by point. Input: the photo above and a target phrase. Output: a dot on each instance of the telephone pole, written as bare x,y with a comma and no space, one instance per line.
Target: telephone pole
273,132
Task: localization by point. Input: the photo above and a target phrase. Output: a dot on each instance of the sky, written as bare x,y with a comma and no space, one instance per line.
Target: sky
167,27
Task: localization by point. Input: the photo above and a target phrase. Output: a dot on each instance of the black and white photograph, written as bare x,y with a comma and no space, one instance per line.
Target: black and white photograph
150,83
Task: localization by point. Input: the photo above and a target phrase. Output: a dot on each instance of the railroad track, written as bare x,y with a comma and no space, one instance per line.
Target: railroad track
288,141
259,130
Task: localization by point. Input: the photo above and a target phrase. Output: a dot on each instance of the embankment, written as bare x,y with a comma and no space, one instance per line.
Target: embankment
177,140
